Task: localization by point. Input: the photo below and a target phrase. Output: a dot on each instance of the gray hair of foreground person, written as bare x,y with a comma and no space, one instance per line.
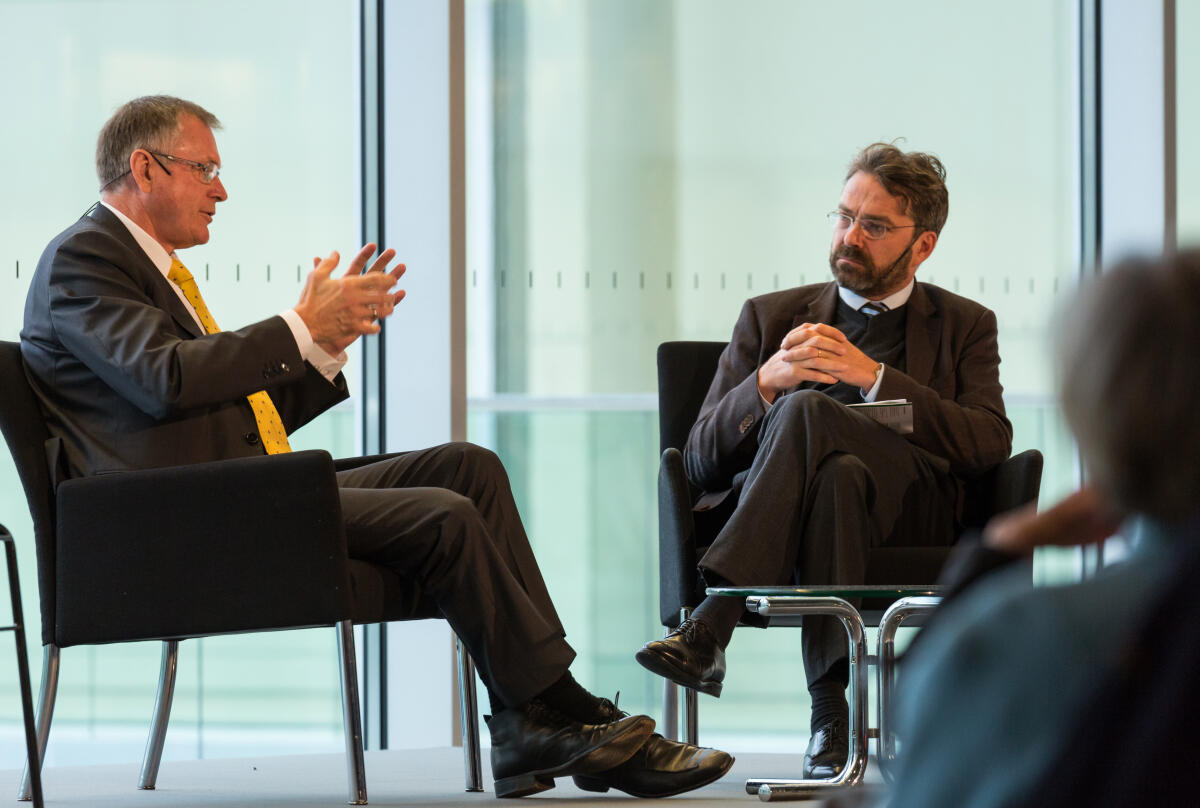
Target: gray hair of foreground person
1129,385
150,122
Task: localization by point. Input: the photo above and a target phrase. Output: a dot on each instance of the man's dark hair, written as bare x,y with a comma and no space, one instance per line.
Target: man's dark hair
1129,391
916,177
149,122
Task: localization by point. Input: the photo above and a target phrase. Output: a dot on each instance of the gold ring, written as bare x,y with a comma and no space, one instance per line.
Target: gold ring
819,356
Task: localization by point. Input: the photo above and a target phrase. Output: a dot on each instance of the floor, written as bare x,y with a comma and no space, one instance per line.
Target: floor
394,777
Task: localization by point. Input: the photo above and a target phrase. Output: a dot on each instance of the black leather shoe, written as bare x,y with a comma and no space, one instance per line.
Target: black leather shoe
661,768
827,750
533,744
688,656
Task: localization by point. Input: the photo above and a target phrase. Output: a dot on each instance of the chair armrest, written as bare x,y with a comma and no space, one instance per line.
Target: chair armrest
228,546
676,539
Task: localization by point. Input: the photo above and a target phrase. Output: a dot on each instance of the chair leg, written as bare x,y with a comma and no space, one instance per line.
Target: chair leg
162,715
691,716
468,712
45,713
18,629
352,715
670,721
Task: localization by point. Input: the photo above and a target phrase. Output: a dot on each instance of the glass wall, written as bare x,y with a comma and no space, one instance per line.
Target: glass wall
638,169
283,78
1187,112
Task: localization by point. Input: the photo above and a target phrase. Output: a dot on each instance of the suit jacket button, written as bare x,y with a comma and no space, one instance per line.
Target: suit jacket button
283,367
746,423
251,438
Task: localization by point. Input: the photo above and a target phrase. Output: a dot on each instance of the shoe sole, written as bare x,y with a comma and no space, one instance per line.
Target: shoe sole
601,757
599,785
663,667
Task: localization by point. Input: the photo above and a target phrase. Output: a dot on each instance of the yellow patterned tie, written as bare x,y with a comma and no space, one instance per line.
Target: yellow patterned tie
270,425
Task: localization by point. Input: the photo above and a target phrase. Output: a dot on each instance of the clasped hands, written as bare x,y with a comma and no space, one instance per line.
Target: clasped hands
815,352
338,310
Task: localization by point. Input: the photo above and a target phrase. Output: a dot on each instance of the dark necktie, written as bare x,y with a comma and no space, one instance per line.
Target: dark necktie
872,307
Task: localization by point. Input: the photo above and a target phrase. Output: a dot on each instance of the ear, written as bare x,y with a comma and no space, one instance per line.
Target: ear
923,247
139,169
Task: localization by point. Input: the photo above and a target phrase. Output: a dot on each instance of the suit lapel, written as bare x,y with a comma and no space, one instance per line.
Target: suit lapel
923,333
821,309
163,295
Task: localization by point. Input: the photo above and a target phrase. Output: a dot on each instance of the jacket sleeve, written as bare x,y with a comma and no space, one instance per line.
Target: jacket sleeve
724,439
107,318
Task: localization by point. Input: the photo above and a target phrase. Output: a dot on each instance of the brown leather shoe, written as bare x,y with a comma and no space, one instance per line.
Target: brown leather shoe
532,744
688,656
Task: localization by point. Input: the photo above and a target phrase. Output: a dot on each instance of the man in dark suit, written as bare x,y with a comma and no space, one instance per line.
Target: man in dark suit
812,483
133,372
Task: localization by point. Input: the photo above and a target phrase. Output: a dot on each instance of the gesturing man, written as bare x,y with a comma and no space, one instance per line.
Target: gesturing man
812,483
133,372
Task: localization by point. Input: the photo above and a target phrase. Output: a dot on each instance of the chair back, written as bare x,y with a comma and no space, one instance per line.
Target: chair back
685,372
1013,483
25,431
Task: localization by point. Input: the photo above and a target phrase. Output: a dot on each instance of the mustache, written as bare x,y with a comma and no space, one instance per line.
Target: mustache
851,252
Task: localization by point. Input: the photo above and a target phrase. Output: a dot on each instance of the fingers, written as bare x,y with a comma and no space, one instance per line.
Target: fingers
818,348
380,263
809,331
360,260
325,266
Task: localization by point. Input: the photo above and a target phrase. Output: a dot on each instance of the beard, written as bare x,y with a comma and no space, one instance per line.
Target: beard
867,279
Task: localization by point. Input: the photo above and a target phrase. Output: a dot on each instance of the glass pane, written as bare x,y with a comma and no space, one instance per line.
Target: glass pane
638,169
283,78
1187,118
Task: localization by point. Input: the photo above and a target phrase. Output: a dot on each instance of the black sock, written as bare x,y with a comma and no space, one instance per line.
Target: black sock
572,700
721,615
829,695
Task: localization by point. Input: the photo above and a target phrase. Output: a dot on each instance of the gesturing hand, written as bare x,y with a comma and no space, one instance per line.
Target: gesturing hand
1084,517
815,352
337,310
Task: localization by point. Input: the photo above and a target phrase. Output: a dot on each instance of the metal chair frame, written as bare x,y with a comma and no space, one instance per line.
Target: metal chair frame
18,630
351,717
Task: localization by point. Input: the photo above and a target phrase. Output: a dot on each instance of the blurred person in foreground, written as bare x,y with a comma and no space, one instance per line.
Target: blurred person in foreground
133,372
1080,694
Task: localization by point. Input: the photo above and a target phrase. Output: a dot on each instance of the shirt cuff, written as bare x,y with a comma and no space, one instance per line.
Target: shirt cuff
873,393
328,366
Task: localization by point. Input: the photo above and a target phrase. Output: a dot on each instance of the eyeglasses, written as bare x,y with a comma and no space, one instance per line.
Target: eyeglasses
872,228
208,171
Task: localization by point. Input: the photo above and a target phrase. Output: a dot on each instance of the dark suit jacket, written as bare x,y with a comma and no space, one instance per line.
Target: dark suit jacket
952,377
127,378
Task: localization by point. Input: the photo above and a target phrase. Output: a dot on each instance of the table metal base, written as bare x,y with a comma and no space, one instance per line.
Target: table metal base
782,602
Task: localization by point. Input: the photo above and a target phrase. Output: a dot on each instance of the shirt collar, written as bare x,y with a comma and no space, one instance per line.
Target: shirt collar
153,250
893,301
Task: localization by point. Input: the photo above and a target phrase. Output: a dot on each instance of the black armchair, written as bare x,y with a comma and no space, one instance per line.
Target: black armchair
685,372
214,548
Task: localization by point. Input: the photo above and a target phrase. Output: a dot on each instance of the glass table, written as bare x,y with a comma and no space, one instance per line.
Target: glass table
797,601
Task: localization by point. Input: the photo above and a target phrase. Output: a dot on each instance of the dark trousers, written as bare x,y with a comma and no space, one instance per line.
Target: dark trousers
445,517
826,484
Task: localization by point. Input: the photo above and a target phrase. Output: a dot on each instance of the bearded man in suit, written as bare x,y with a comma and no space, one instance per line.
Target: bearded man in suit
132,372
811,484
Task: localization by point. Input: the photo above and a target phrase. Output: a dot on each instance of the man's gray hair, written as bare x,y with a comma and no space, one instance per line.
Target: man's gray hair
1129,386
149,122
